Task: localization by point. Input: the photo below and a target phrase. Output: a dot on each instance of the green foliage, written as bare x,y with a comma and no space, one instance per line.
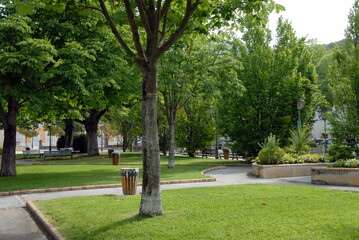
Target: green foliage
270,153
352,163
80,143
337,164
345,86
194,128
299,139
273,78
338,151
60,142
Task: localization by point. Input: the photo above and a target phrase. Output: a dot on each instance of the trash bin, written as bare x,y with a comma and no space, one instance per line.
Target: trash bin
129,178
225,153
110,151
115,158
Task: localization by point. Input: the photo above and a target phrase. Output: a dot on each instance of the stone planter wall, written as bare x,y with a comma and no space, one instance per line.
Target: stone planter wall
336,176
284,170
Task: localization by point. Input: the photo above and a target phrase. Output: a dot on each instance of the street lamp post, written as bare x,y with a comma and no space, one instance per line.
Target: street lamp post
50,136
322,117
300,104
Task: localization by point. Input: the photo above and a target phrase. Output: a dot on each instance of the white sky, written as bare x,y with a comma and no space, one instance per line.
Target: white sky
324,20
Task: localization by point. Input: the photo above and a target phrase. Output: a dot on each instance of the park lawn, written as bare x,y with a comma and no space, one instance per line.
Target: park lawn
51,176
137,159
228,212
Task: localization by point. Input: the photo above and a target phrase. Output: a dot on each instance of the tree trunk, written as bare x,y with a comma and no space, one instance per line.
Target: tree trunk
92,144
171,154
151,203
8,164
69,132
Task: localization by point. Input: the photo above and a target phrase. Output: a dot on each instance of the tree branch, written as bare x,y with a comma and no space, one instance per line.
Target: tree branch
134,29
142,10
114,29
190,8
93,8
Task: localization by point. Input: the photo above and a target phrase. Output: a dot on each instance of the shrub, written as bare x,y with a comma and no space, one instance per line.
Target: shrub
337,164
60,142
80,143
288,158
271,153
352,163
299,141
338,151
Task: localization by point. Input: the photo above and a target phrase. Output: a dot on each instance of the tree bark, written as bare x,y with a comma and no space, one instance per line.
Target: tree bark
91,126
171,154
69,132
92,144
8,164
151,203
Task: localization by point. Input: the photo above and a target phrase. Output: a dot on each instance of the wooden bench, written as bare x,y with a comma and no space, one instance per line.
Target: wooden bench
60,153
206,152
34,152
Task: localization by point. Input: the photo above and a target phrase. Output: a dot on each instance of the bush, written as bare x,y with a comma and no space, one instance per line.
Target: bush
271,153
337,164
339,151
60,142
80,143
352,163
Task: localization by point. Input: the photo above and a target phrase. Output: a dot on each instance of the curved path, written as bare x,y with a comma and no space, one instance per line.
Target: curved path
17,224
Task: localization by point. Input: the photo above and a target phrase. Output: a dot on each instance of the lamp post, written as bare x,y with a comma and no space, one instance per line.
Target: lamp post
300,104
215,119
50,125
101,132
322,117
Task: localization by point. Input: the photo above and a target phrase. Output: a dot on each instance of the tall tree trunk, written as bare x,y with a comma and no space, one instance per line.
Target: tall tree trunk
91,127
151,203
69,132
171,122
8,164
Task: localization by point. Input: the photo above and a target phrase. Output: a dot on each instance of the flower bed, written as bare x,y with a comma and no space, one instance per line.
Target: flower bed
284,170
335,176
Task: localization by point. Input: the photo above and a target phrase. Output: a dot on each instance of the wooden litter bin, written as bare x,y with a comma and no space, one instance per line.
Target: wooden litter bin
225,153
115,158
129,178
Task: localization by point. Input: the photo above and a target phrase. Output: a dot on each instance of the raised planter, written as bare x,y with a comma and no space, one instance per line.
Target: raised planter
284,170
336,176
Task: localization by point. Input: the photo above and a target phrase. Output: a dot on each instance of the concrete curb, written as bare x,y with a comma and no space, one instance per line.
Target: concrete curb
49,230
62,189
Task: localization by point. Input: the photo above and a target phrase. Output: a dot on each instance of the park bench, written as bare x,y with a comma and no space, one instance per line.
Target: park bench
35,152
60,153
206,152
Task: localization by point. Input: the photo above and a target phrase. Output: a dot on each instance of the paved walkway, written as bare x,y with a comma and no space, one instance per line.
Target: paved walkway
17,224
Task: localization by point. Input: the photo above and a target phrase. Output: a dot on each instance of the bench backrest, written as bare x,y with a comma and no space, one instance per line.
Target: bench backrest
35,151
58,153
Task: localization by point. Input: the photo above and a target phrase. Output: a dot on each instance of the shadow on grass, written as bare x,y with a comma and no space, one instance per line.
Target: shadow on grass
117,224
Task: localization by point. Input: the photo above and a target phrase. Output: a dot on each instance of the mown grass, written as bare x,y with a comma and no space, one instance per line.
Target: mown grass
230,212
49,176
137,159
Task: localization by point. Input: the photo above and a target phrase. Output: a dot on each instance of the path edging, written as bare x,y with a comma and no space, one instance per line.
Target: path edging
49,230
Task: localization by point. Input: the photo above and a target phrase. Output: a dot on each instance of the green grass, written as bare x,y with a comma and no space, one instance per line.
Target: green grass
230,212
49,176
136,159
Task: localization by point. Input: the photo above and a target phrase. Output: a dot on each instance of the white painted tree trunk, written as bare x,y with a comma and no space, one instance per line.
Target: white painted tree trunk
151,203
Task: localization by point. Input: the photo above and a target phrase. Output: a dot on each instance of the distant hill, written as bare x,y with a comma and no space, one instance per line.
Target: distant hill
332,45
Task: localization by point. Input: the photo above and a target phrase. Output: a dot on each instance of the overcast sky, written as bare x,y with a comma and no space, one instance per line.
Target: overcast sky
324,20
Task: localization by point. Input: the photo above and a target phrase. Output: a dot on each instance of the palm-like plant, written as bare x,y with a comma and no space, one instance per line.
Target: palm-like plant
299,140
